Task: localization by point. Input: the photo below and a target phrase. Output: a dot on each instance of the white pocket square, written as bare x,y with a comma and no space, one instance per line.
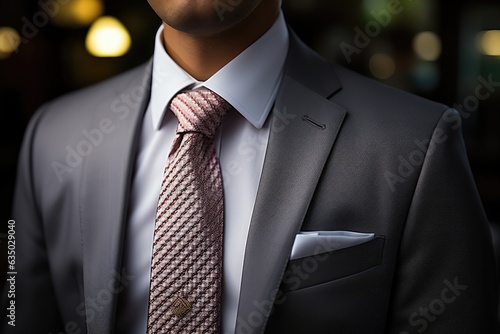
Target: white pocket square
318,242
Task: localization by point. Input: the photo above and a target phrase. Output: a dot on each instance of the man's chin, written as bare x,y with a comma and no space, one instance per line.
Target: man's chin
202,17
193,19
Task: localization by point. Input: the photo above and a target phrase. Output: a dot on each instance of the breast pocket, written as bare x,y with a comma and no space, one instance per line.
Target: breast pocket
325,267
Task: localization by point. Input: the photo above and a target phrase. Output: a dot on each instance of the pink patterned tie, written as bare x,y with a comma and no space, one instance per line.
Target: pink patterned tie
186,269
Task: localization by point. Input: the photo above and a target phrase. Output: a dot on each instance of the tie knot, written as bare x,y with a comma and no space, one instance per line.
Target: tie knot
199,111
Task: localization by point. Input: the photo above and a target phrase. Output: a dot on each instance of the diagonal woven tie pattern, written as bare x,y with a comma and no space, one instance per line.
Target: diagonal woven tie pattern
186,268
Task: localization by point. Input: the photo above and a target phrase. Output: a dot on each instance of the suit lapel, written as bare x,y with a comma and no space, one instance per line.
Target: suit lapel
304,127
104,196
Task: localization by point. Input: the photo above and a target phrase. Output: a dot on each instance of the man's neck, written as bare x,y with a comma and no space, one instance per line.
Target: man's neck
203,56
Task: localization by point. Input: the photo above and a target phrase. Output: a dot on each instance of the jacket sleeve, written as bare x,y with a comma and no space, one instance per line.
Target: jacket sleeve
36,309
445,277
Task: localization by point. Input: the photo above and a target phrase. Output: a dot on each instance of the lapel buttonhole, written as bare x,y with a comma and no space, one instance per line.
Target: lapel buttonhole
313,122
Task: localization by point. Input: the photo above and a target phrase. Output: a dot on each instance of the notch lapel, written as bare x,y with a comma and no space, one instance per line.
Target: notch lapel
304,127
104,196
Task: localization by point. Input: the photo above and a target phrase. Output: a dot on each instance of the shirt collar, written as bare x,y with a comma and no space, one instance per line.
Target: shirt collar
258,70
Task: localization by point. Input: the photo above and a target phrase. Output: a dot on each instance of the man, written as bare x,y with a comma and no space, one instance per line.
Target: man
349,207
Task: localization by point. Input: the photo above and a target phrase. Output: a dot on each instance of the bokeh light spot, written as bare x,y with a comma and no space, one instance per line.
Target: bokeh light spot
427,45
382,66
9,41
108,37
78,13
489,42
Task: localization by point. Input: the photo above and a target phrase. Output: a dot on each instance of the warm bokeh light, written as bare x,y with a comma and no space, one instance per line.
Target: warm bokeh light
382,66
107,37
9,41
78,13
489,42
427,45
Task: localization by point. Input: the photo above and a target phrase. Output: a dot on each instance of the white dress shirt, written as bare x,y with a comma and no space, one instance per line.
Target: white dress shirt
249,83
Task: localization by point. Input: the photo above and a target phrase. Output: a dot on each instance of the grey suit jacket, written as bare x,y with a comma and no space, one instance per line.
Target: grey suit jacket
344,153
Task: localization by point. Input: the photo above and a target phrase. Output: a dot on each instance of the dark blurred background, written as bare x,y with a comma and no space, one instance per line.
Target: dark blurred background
442,50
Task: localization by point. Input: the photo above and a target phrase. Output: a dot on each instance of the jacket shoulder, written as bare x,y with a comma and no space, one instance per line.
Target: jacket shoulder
378,95
383,111
63,118
93,98
60,125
